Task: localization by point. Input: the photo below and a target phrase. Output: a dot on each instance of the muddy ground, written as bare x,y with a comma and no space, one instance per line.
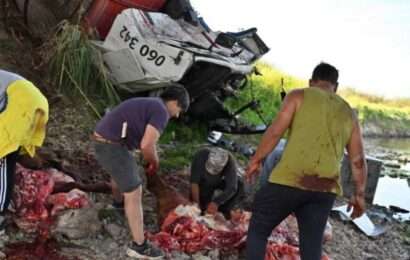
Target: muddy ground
68,143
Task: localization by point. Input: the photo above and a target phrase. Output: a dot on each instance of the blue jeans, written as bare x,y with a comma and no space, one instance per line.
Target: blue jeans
273,203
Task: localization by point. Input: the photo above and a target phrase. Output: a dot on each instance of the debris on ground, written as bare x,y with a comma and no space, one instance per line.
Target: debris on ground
33,201
184,229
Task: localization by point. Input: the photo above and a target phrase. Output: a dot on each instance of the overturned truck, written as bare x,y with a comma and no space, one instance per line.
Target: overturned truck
148,45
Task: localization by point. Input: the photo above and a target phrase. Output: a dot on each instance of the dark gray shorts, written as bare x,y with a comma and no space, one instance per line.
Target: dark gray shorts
120,164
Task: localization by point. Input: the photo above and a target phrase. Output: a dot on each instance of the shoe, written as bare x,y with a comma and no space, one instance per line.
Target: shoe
144,251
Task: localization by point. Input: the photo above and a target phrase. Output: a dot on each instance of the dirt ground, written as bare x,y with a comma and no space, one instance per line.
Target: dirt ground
68,143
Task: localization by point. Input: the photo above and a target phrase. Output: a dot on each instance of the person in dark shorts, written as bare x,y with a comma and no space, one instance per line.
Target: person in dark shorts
215,169
23,119
306,180
136,123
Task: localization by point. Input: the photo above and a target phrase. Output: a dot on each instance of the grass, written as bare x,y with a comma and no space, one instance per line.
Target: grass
388,114
266,88
78,69
179,142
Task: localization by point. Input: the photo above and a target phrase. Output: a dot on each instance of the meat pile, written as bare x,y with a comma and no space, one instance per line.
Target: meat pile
33,201
184,229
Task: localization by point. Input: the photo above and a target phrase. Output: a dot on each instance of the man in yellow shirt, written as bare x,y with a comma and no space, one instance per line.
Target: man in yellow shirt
307,178
23,119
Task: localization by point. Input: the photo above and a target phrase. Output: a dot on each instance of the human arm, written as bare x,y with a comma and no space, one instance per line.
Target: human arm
359,170
231,182
274,132
149,150
195,193
197,166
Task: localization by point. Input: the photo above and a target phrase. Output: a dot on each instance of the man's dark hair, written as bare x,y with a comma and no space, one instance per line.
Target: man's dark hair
326,72
178,93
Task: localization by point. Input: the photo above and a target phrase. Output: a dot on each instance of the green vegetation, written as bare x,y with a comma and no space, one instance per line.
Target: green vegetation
387,113
265,88
77,68
180,142
390,115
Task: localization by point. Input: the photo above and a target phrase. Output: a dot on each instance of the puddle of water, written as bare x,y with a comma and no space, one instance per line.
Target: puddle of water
393,192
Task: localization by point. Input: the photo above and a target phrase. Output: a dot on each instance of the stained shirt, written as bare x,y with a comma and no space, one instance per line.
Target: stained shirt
318,135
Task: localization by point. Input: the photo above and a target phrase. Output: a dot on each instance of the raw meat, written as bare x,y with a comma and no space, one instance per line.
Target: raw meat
32,200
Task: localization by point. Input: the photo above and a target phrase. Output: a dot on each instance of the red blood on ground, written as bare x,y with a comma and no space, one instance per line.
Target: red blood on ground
182,230
166,240
186,234
38,250
33,201
35,209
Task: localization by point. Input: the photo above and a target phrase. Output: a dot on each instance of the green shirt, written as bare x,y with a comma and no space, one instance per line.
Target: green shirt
318,134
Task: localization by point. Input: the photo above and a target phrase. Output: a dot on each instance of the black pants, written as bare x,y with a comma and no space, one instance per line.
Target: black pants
273,203
206,194
7,169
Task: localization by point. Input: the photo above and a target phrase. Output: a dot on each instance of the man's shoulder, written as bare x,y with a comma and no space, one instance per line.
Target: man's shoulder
296,97
146,102
343,102
297,92
150,100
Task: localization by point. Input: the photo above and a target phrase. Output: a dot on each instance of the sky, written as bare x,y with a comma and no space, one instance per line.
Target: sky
367,40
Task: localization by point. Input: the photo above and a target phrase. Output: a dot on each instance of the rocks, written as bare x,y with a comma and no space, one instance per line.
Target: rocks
78,223
4,238
214,254
199,256
180,256
114,230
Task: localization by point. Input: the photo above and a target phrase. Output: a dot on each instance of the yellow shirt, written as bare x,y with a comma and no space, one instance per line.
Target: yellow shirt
319,132
20,123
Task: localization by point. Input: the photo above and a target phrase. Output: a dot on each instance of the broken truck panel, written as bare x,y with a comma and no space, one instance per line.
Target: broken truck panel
146,51
101,14
164,49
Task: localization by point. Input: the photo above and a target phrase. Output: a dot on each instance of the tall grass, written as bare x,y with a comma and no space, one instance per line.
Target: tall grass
78,69
387,112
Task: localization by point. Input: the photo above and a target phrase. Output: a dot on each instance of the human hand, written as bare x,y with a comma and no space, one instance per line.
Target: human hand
236,215
358,204
152,168
212,208
251,170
